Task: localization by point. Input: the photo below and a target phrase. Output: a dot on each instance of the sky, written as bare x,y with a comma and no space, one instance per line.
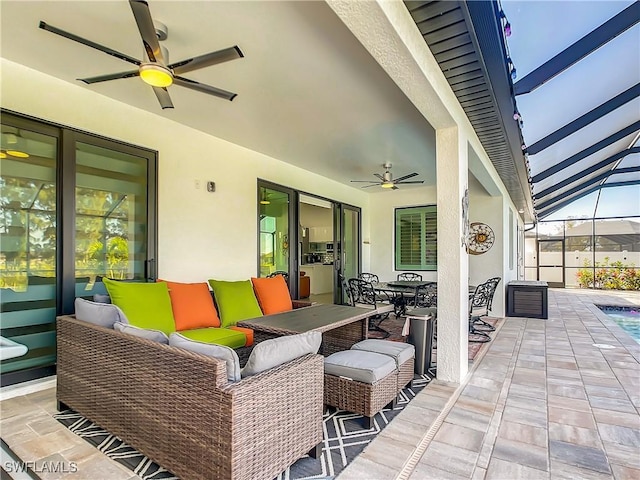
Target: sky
541,30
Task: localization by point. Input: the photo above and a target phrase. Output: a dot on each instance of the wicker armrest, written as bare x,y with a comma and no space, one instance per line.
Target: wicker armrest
288,400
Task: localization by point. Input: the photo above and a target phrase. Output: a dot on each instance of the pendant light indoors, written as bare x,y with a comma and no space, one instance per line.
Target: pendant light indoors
14,146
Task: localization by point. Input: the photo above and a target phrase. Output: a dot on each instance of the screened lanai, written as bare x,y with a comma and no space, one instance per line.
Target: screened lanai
576,72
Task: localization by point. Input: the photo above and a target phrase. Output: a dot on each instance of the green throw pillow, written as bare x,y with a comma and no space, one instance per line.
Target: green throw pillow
146,305
236,301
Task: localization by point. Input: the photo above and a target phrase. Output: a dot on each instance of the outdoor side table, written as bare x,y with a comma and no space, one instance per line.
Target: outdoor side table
421,322
527,298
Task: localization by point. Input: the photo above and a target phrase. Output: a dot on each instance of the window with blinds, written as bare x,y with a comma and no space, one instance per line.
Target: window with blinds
416,239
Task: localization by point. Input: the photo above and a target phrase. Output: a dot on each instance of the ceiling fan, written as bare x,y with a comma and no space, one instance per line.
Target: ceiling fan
386,179
154,69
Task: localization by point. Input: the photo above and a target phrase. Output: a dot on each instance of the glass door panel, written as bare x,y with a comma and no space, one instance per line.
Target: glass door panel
73,207
28,236
111,217
347,249
274,224
551,262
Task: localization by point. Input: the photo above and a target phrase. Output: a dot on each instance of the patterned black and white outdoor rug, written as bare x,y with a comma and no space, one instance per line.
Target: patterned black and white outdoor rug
344,439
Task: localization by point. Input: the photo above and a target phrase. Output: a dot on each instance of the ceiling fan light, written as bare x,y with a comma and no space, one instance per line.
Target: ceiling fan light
156,75
386,184
17,154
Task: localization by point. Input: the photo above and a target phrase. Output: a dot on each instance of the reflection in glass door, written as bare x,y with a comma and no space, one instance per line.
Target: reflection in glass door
274,230
73,207
551,262
111,217
28,236
347,249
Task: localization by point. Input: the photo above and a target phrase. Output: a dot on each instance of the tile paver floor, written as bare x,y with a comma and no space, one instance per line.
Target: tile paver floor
542,401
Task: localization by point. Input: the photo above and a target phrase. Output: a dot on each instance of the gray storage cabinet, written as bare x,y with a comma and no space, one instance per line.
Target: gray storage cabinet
527,298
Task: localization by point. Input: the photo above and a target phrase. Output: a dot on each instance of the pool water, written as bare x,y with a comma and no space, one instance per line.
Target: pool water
629,320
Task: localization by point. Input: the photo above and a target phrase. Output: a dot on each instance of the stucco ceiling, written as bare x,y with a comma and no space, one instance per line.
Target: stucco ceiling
308,93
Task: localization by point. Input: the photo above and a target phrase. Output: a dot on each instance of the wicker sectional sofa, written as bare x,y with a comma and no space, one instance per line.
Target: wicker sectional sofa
178,408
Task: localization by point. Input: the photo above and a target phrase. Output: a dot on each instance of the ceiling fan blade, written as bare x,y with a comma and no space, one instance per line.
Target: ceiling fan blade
379,176
110,76
365,181
374,185
140,9
89,43
201,87
406,176
163,97
394,188
206,60
412,181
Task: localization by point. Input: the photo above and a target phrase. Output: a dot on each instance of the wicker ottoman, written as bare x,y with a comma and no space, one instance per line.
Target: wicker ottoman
361,382
403,353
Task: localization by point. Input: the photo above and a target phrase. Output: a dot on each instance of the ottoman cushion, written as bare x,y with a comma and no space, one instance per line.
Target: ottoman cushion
402,352
359,365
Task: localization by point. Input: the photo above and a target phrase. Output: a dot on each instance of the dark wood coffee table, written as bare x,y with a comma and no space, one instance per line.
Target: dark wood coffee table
341,325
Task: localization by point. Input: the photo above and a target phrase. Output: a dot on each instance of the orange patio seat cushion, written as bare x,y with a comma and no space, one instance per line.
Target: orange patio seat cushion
272,294
247,333
192,305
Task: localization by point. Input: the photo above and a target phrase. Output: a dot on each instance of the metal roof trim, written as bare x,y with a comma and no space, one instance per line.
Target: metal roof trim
481,83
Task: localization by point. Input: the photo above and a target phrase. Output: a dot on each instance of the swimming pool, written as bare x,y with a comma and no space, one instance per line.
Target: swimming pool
627,317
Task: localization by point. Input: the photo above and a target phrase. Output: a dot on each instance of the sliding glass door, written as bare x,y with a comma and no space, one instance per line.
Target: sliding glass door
28,238
74,208
277,246
284,244
347,248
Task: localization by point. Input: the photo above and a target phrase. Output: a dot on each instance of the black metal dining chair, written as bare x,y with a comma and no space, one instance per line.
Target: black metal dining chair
426,296
280,272
485,307
369,277
480,305
348,300
409,276
363,295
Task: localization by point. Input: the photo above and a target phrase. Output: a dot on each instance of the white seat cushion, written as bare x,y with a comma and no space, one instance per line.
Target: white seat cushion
149,334
365,367
276,351
103,314
221,352
401,352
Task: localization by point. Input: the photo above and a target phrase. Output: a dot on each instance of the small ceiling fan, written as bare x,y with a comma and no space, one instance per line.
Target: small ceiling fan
154,69
386,179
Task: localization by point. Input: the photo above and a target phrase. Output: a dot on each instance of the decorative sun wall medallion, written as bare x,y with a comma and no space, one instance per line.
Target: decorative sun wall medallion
481,238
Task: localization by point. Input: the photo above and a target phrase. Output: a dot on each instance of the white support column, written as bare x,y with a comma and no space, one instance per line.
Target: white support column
453,265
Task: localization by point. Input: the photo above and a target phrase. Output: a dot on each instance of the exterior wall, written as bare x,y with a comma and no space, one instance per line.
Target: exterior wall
509,266
201,235
493,263
381,239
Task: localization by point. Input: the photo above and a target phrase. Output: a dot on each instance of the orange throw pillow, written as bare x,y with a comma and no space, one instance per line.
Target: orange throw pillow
272,294
192,305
